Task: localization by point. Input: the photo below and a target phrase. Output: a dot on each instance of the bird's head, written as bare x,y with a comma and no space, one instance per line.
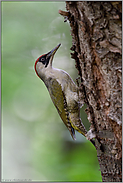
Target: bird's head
44,62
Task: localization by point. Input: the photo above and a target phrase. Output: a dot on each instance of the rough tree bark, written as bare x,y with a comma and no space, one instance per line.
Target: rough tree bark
96,44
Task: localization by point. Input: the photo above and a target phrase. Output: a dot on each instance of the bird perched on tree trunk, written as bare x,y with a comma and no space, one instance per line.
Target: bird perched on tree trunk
63,92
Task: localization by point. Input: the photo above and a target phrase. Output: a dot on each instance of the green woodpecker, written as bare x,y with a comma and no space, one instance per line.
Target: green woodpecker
63,92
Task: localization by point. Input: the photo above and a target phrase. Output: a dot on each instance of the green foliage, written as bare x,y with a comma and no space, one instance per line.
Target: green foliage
33,136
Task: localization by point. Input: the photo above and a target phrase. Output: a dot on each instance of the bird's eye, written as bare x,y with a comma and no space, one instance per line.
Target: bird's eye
42,59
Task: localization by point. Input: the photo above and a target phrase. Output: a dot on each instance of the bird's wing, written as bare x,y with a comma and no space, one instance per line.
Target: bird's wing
59,100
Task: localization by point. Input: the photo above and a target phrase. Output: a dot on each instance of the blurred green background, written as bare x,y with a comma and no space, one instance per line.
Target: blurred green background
35,143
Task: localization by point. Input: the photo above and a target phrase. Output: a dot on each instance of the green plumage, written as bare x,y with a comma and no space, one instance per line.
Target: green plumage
58,98
69,112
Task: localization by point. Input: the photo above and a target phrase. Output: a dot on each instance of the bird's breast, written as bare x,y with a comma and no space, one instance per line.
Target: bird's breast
60,80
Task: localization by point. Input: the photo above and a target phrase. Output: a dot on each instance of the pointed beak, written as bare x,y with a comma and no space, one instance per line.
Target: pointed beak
52,52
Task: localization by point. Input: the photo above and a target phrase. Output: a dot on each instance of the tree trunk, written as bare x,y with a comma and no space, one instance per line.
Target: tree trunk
96,44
